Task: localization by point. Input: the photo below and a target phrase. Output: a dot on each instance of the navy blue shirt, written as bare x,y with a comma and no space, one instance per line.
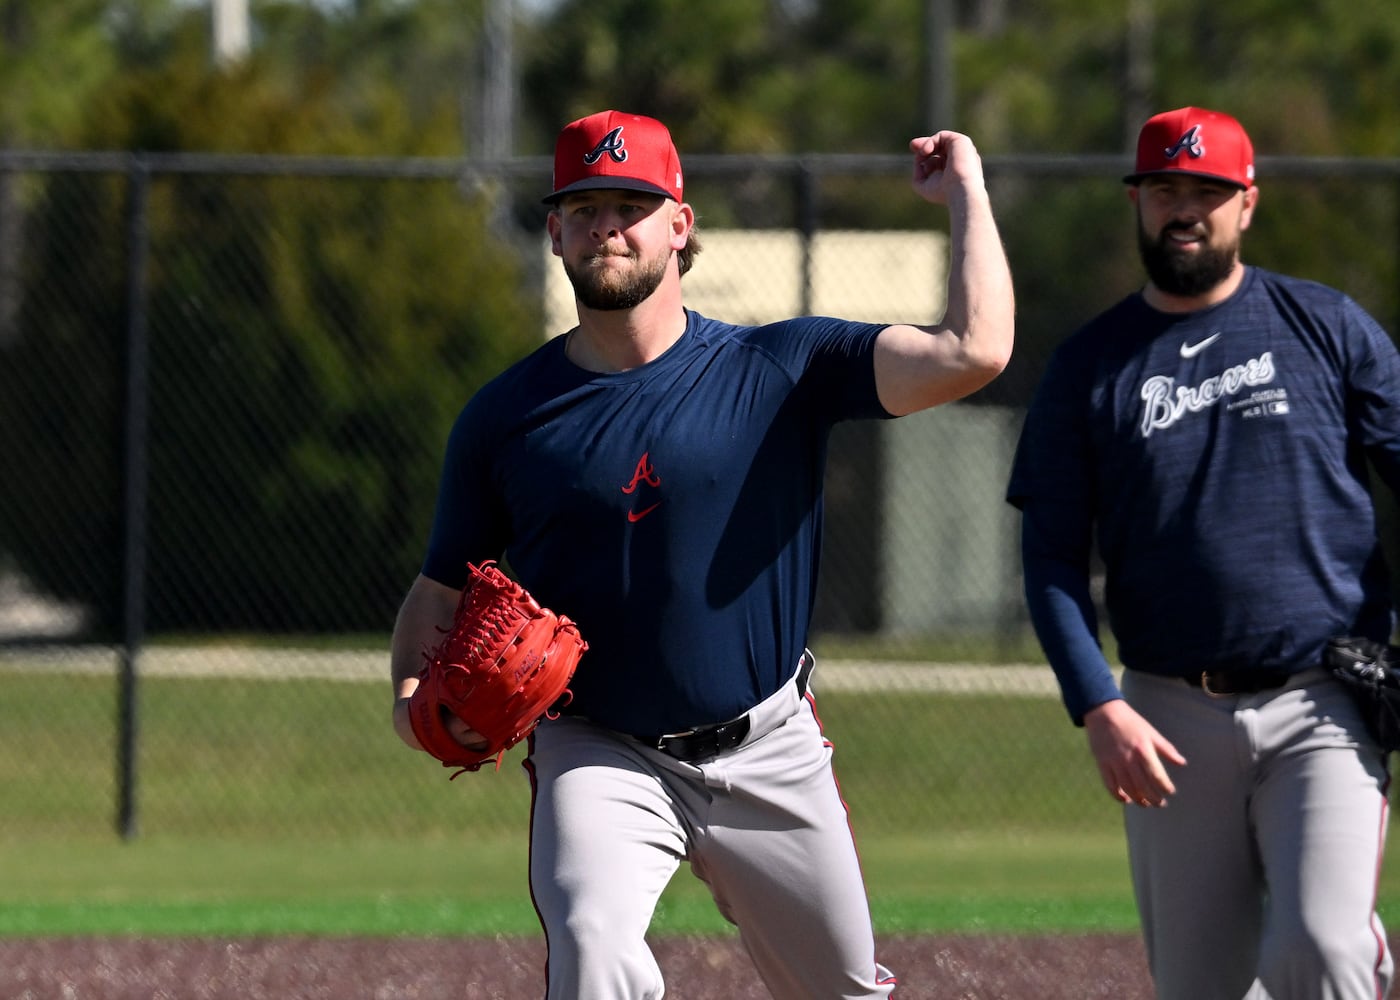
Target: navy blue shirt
673,510
1218,460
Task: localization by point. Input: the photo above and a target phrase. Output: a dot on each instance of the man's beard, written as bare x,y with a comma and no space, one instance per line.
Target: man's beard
608,289
1185,274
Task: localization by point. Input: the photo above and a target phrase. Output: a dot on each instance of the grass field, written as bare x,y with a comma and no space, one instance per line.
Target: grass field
202,887
273,806
974,884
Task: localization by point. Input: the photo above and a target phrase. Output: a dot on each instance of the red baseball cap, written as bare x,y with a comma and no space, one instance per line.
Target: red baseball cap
1197,142
612,149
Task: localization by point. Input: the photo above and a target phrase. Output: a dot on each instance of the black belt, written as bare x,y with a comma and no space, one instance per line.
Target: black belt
703,742
1223,683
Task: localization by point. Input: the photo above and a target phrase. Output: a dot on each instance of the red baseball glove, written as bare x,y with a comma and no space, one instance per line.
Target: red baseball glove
504,664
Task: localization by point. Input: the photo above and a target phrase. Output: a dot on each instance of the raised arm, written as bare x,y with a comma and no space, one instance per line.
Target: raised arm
921,366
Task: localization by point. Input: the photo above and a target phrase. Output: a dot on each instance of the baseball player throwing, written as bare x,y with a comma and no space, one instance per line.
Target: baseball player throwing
656,476
1211,433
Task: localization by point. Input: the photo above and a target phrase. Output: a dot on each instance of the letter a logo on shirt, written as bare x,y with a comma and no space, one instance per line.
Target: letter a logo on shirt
644,473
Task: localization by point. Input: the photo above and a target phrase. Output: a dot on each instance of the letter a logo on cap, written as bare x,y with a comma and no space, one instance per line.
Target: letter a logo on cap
1190,143
610,144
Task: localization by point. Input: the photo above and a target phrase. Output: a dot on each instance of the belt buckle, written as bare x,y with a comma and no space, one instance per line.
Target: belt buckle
691,745
1210,691
665,741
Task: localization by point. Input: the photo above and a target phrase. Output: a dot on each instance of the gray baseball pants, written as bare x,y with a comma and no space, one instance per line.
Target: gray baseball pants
763,826
1258,880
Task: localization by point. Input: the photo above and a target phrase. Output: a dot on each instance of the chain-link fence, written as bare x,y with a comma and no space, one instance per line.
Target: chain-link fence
225,384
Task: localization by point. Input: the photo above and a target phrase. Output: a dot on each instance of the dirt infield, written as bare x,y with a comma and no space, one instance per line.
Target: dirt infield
929,968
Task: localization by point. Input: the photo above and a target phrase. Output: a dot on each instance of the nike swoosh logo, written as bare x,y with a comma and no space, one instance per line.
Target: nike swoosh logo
1191,350
636,515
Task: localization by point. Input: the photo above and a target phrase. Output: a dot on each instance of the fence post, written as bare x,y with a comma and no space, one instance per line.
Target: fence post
135,475
805,193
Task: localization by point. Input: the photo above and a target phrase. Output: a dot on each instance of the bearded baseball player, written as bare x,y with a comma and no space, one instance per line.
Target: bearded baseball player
656,476
1211,434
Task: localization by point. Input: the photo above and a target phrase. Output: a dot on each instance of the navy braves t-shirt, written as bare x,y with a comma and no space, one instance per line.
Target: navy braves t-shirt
1220,457
673,511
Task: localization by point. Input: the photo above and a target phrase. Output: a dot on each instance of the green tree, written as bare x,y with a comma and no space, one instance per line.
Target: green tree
310,343
53,57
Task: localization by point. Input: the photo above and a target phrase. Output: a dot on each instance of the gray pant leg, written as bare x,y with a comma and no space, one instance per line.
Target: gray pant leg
1319,806
777,852
1259,878
604,842
1196,876
764,826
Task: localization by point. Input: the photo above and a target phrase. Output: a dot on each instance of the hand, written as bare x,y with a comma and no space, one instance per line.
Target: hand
466,735
456,728
945,163
1130,753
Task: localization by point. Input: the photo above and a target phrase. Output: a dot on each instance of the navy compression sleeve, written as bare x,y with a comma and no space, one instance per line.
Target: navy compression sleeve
1062,611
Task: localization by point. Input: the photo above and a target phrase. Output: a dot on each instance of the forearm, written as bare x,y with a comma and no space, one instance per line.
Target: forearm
422,620
1064,623
917,367
1054,562
920,366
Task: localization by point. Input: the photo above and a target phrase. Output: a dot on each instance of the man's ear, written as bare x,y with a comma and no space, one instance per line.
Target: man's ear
553,227
1251,199
682,221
